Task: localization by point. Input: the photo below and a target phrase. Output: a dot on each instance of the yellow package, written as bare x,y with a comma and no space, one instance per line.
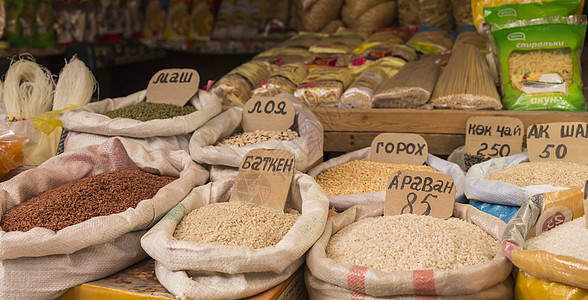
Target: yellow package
558,208
177,23
529,287
201,20
154,23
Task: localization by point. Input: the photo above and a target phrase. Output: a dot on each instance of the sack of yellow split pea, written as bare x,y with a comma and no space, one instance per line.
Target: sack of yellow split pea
547,241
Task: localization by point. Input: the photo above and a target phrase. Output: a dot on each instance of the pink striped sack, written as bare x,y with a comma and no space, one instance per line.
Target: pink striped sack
327,279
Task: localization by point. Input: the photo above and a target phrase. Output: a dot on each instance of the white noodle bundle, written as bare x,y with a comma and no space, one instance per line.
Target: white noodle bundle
1,91
75,86
28,88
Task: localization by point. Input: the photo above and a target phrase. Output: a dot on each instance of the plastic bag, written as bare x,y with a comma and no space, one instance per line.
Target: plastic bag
412,86
343,202
319,14
324,86
543,71
235,87
462,13
11,144
378,16
429,40
328,279
361,91
425,13
529,287
541,264
387,56
219,271
284,79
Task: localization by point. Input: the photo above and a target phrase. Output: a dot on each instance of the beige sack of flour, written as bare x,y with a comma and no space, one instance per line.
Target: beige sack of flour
43,264
307,148
223,272
327,279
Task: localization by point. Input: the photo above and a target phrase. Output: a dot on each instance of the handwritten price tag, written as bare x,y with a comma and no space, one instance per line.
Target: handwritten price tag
399,148
562,141
264,178
494,136
268,113
420,193
173,86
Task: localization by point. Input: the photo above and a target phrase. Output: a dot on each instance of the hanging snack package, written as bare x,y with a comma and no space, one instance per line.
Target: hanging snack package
429,40
202,19
154,24
540,63
177,23
491,12
466,82
412,86
324,86
361,91
235,87
284,80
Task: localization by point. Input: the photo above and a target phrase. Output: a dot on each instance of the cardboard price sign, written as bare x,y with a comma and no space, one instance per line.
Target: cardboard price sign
264,178
562,141
399,148
173,86
494,136
268,113
420,193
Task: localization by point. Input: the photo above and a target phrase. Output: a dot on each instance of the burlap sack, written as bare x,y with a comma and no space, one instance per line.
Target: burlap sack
540,264
478,188
42,263
343,202
89,118
307,149
328,279
221,272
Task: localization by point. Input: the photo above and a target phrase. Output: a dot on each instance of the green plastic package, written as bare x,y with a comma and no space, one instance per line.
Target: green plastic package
540,63
503,12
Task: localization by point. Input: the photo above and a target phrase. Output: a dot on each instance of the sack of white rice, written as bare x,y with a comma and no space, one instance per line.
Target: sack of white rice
80,216
352,178
558,254
513,180
363,254
208,248
133,117
222,142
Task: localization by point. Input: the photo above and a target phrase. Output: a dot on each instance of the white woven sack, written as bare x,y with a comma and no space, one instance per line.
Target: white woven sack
77,251
307,148
89,118
492,191
343,202
77,140
250,271
218,173
358,282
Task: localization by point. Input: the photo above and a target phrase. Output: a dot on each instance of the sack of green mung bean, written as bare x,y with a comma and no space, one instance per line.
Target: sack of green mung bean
80,215
363,254
132,116
208,248
513,180
558,253
221,141
352,179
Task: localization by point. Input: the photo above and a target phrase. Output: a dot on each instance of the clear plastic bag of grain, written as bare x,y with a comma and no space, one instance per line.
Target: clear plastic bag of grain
281,56
324,86
235,87
315,17
387,257
361,91
466,83
462,13
327,60
411,87
513,180
558,253
389,56
337,44
207,247
425,13
284,79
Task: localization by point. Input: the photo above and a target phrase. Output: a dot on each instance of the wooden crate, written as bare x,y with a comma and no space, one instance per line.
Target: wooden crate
348,129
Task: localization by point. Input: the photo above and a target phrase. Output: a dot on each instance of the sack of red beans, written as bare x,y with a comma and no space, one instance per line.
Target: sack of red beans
80,215
208,247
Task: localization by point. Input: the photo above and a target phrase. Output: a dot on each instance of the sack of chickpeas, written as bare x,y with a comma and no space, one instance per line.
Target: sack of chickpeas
221,141
134,118
365,255
513,180
80,216
209,248
352,178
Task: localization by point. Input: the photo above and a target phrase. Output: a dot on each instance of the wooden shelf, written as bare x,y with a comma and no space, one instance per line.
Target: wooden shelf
348,129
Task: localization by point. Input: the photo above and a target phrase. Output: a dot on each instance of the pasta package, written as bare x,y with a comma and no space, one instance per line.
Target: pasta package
412,86
284,80
324,86
489,12
361,91
379,54
235,87
540,63
429,40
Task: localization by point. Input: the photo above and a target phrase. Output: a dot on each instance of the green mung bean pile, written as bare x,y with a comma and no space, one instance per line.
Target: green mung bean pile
147,111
